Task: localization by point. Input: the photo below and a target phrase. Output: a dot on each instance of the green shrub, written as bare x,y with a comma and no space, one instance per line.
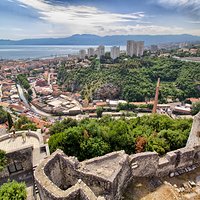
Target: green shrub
3,160
13,191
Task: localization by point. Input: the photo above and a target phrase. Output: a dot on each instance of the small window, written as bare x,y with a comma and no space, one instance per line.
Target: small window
15,167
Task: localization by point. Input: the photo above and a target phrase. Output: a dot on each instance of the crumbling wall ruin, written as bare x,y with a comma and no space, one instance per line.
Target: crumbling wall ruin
64,178
19,165
194,137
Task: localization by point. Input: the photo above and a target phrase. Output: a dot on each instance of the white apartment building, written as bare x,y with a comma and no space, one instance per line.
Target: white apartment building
135,48
100,51
82,54
115,52
91,52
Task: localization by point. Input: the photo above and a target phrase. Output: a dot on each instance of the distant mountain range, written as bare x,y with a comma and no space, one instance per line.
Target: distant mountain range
88,39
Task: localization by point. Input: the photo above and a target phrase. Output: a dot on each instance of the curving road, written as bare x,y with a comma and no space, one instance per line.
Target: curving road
30,106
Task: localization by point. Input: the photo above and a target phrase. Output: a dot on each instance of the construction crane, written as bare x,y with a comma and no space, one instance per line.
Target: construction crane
156,97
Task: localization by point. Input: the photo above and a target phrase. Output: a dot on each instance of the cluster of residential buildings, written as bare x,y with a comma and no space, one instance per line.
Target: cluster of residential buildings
47,96
99,52
58,105
189,50
134,48
10,95
8,91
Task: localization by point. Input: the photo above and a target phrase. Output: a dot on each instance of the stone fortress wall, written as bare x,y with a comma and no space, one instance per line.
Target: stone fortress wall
60,177
22,156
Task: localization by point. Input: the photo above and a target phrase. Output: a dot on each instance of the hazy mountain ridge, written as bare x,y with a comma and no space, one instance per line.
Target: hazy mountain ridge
89,39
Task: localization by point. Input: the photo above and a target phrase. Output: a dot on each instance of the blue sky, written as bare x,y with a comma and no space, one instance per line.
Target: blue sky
60,18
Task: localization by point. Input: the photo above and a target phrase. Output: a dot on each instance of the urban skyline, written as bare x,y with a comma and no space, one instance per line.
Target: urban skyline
133,48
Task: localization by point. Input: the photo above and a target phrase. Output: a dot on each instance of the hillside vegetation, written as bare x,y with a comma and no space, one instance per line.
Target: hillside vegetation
133,79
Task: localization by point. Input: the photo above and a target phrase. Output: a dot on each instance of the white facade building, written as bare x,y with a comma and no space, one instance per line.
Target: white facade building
140,48
115,52
135,48
82,54
91,52
100,51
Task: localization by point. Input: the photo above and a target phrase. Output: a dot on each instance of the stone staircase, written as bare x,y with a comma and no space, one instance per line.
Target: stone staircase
36,191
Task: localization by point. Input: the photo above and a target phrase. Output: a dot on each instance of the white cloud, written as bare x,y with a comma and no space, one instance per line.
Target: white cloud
78,14
143,29
192,7
178,2
23,6
67,20
11,29
193,22
137,29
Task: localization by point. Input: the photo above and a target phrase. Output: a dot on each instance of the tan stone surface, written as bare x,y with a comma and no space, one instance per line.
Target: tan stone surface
13,143
142,189
106,166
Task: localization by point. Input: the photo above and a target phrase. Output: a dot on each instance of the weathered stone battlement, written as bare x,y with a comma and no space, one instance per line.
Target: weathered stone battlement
61,177
194,138
22,155
19,159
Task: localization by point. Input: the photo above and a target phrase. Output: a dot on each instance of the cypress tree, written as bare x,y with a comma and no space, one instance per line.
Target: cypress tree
10,121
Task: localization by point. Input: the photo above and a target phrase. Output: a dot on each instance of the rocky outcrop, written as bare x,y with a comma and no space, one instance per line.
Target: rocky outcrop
107,91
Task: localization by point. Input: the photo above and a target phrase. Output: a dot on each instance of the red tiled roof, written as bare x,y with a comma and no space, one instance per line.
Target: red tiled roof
194,100
17,107
101,104
89,108
141,103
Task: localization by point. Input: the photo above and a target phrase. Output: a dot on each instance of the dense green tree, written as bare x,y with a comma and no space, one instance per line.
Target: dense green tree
28,97
93,147
136,78
3,160
148,133
126,106
10,121
159,145
30,92
13,191
195,108
60,126
99,111
23,123
3,115
69,141
22,79
174,138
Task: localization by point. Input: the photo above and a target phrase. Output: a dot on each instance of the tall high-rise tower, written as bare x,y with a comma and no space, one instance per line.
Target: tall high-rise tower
82,54
115,52
100,51
91,52
135,48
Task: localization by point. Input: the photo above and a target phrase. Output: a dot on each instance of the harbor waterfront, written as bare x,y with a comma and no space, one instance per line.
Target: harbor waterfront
41,51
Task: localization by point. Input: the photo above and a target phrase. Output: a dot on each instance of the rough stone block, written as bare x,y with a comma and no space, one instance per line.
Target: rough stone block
144,164
185,157
171,156
164,167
